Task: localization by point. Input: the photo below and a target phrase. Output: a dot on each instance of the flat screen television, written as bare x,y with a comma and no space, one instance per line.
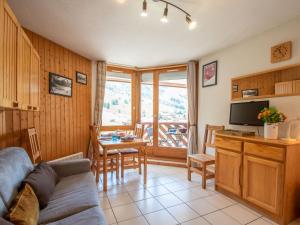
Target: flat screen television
246,113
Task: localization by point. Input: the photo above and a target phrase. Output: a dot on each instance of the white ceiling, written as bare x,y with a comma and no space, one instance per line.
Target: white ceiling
106,29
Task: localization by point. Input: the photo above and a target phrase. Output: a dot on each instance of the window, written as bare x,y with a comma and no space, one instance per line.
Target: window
117,100
147,98
173,106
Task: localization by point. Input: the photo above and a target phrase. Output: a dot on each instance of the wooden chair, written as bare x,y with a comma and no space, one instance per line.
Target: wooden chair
33,145
198,163
128,156
97,159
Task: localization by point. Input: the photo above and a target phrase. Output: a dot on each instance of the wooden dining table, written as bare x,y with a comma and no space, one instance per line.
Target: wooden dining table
106,145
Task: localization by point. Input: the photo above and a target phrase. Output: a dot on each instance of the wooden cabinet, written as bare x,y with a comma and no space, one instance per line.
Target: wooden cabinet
19,64
25,71
263,173
228,170
263,183
9,51
35,80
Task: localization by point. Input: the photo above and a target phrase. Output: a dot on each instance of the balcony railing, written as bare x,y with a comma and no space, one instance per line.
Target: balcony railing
170,134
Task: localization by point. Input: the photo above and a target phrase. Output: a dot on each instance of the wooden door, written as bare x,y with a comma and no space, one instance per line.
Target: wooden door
35,80
228,171
9,35
263,183
25,70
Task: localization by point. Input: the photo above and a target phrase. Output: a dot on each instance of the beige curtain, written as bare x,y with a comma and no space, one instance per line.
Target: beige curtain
99,97
192,107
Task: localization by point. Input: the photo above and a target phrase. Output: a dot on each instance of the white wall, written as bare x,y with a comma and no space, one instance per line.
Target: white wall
252,55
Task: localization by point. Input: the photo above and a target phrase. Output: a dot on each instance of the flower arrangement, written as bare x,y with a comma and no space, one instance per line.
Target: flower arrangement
271,115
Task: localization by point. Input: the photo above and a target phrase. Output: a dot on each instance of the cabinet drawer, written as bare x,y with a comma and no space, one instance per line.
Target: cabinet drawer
226,143
264,151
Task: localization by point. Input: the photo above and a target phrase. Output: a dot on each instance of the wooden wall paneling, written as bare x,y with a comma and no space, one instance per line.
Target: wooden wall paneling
52,120
62,105
71,113
66,103
48,138
77,141
57,105
16,128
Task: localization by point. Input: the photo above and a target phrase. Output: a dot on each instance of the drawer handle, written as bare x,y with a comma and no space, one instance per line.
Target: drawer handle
29,107
34,108
15,104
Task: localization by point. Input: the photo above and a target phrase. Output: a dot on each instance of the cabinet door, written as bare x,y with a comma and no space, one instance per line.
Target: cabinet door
263,183
35,80
25,70
228,171
9,36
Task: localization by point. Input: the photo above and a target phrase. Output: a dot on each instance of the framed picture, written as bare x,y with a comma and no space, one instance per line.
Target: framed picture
209,74
249,93
59,85
81,78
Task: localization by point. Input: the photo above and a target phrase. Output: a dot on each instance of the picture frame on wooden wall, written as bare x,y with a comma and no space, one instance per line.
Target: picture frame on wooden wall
60,85
210,74
81,78
248,93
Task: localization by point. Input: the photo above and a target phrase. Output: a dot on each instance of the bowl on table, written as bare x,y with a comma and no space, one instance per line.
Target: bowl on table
128,138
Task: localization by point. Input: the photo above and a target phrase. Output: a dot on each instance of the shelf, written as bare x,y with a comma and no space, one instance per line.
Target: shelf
265,82
264,96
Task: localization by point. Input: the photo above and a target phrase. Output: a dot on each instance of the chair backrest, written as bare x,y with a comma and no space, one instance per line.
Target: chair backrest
209,136
95,133
139,130
33,145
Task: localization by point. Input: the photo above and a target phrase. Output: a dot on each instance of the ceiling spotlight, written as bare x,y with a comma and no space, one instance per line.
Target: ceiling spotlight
192,24
121,1
144,12
164,19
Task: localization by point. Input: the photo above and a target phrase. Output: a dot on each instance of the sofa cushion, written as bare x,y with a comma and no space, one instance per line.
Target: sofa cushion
15,165
25,209
92,216
42,180
72,195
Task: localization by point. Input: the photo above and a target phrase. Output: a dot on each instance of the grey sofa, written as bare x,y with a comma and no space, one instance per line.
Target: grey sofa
75,200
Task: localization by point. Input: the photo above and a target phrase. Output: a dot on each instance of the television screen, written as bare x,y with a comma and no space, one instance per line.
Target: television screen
246,113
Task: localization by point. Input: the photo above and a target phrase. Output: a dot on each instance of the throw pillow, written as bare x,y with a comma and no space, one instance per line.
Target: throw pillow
42,180
25,208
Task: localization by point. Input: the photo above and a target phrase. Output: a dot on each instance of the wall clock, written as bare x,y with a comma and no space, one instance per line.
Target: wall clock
281,52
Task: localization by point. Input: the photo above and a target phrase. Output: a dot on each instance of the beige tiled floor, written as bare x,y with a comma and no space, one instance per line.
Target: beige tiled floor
168,198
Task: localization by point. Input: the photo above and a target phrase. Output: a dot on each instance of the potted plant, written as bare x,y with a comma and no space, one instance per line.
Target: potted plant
271,117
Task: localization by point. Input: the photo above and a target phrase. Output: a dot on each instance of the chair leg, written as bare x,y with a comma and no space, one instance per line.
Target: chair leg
122,165
97,170
189,169
112,164
204,176
117,166
140,163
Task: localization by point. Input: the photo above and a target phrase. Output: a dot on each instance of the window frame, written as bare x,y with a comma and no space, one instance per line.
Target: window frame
132,73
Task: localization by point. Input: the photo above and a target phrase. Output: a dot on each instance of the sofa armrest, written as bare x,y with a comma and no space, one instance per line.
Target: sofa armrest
70,167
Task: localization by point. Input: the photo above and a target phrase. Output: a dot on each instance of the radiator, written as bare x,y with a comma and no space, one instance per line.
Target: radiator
78,155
